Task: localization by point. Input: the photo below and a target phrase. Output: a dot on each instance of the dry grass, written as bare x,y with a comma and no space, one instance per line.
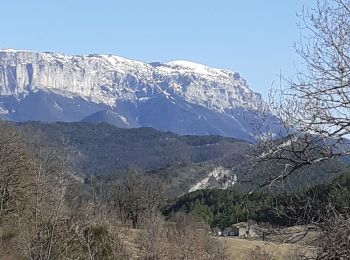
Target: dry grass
240,249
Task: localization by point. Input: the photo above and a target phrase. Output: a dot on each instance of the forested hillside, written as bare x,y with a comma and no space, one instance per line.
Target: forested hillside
105,151
222,208
98,149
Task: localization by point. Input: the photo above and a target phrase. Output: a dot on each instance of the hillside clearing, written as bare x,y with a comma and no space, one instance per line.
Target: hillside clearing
240,248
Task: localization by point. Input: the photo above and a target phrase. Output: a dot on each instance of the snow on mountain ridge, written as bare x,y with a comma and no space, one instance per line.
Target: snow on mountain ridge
196,67
109,79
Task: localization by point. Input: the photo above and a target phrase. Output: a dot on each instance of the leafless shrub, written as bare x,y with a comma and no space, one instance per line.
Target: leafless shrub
298,253
98,242
180,239
258,253
334,242
152,241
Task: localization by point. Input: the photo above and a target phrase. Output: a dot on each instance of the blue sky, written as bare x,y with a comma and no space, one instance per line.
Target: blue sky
252,37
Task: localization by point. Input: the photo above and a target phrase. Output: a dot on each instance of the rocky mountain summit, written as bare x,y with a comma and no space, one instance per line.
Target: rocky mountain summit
178,96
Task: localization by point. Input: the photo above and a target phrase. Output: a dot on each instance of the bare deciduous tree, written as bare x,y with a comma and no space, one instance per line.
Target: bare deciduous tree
46,228
314,107
137,197
15,168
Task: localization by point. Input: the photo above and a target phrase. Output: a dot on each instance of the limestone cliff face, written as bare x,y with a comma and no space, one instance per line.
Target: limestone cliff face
179,96
107,79
102,79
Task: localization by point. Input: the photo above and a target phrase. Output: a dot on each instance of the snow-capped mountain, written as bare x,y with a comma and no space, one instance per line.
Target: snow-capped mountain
178,96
